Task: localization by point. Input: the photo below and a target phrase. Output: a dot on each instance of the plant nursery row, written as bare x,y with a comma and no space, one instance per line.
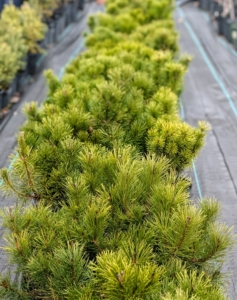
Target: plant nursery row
25,35
104,208
225,15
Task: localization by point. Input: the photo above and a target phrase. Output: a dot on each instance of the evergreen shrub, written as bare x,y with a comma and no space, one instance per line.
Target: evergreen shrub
28,21
12,51
46,8
104,210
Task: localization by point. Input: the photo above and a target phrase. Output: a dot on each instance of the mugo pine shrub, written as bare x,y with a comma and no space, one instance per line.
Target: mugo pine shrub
104,210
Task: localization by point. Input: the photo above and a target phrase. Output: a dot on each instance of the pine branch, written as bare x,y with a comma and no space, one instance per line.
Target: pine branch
210,255
182,237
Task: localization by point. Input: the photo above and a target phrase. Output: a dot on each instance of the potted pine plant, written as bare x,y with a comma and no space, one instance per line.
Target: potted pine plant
46,9
33,31
12,51
28,21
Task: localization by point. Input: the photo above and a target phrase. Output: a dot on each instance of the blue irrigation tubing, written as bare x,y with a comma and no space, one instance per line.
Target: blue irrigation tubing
207,61
193,164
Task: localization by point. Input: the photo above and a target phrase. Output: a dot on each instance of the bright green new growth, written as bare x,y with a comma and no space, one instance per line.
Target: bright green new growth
12,51
105,102
26,20
128,231
108,214
45,7
20,31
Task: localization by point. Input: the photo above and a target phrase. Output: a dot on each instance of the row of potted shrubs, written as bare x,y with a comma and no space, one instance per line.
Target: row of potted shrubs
104,210
25,35
227,24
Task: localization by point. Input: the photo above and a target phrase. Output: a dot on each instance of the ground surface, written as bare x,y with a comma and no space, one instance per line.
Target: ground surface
210,94
58,57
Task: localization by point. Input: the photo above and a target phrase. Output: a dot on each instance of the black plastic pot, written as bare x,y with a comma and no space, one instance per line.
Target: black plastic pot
31,63
1,101
204,4
81,4
227,29
73,11
221,21
234,34
4,98
13,87
58,11
20,81
211,6
67,14
53,33
42,44
218,11
59,26
57,30
49,37
18,3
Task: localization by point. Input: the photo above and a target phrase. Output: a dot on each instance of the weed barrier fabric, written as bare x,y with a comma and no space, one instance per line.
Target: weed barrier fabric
210,94
70,44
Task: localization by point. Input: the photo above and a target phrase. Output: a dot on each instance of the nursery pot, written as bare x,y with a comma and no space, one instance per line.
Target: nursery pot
20,80
204,4
211,7
73,11
1,106
67,14
218,11
31,63
4,98
58,11
13,87
49,37
81,4
221,24
57,30
54,29
42,44
18,3
59,25
227,29
234,34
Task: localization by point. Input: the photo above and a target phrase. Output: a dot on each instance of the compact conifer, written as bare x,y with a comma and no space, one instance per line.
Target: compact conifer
126,231
104,210
27,21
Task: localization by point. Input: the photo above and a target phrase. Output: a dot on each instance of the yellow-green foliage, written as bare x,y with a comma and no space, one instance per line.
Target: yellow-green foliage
28,21
45,7
108,212
177,140
12,51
